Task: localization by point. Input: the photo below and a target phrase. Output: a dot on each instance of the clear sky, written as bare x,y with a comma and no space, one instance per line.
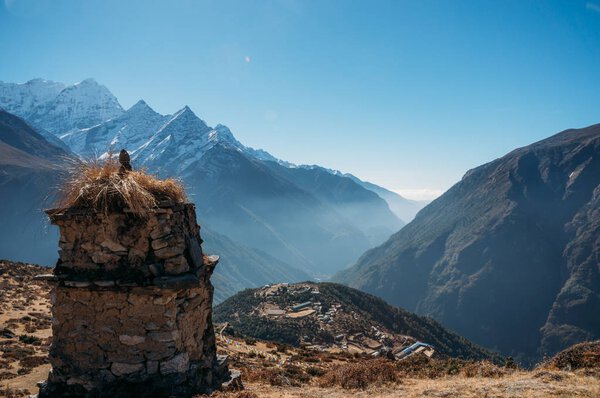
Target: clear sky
406,94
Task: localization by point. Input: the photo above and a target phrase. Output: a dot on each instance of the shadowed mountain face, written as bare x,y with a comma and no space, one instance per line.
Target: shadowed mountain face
509,256
21,137
241,266
29,168
244,199
367,211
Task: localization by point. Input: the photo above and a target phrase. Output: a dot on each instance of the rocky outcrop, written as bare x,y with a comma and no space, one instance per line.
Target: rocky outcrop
132,306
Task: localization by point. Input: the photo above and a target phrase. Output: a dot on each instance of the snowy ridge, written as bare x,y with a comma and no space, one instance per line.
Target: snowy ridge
58,108
91,122
129,130
27,98
167,144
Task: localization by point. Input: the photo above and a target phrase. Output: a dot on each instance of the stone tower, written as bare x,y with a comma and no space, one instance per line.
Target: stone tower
132,306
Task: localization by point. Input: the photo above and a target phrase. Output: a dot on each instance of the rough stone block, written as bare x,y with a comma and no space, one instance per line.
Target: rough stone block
113,246
169,251
176,265
131,340
178,364
164,337
152,367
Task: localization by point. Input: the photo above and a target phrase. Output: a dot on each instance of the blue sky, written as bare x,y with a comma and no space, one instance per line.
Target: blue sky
407,94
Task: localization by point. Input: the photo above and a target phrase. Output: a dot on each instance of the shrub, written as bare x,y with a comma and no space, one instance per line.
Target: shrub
28,339
17,353
315,371
361,375
9,392
291,376
33,361
483,369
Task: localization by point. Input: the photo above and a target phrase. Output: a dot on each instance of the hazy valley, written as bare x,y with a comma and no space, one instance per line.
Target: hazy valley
295,222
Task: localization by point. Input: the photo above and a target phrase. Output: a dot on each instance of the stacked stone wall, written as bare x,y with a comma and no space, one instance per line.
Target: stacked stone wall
132,307
164,242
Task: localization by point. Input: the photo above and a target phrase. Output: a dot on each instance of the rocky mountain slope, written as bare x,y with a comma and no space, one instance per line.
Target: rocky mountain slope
508,257
242,198
331,316
364,208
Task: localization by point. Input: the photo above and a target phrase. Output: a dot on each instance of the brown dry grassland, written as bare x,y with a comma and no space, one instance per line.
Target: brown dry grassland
25,335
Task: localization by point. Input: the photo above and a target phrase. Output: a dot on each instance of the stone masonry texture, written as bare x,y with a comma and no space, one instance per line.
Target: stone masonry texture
132,306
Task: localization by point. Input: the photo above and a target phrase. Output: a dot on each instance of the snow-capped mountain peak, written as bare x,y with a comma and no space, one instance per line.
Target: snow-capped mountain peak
90,120
221,133
140,108
59,108
24,99
130,130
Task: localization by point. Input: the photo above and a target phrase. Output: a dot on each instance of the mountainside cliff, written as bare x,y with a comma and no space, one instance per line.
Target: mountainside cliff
29,168
509,256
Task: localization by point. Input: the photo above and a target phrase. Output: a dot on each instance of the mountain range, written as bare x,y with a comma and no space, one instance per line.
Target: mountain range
312,221
59,108
509,257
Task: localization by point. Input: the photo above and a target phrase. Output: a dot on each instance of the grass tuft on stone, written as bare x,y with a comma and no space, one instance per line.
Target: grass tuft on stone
98,185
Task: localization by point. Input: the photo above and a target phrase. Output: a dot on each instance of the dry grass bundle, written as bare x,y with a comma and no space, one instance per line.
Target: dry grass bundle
99,185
